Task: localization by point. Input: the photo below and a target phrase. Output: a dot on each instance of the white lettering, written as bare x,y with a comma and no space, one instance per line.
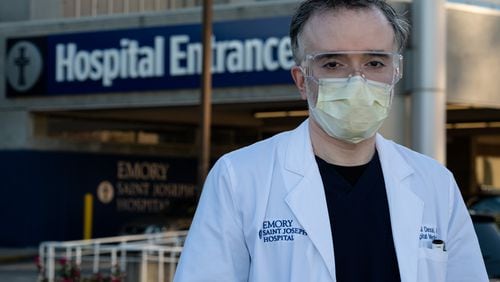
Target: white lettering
96,66
132,58
146,62
220,58
285,56
173,190
253,49
177,55
195,54
159,56
143,205
132,188
142,170
111,66
231,56
131,61
124,59
82,66
269,62
235,59
64,64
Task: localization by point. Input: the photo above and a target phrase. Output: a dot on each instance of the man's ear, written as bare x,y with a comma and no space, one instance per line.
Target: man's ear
300,81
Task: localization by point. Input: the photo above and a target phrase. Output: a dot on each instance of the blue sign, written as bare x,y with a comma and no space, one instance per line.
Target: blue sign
43,202
244,53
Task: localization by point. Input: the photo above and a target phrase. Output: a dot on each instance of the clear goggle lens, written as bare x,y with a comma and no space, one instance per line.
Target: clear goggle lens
384,67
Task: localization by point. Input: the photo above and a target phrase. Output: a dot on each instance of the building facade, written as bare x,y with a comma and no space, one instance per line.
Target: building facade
102,98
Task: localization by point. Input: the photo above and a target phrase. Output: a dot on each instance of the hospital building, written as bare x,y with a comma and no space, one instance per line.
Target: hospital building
102,98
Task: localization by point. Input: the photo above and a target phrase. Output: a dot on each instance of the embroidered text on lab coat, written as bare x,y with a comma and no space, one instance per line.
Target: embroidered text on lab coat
279,230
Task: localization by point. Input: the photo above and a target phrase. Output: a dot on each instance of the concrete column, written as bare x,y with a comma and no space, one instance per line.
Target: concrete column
15,129
18,10
429,88
46,9
396,126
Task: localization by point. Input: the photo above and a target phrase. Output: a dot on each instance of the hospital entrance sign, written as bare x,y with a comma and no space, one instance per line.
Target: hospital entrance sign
245,53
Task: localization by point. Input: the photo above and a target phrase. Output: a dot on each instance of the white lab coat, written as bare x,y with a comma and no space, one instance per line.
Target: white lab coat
275,183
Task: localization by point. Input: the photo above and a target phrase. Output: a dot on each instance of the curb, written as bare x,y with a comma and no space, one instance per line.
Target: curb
17,257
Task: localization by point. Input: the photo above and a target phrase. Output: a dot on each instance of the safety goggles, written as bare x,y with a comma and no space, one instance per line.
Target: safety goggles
384,67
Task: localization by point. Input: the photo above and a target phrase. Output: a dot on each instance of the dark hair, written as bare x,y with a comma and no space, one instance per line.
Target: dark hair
307,8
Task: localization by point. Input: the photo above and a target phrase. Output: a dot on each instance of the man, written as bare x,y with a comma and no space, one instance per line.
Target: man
332,200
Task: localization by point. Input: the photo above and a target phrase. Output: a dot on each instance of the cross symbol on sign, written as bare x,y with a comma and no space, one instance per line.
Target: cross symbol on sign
22,61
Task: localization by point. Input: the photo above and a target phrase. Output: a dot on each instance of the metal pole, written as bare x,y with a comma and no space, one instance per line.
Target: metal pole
95,266
144,266
51,263
429,93
88,210
123,259
114,263
161,266
173,264
206,93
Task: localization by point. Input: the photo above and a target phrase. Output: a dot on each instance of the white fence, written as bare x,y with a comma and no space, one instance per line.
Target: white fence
142,258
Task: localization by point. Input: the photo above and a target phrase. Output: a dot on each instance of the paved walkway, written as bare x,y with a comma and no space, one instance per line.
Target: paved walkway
18,272
18,264
12,255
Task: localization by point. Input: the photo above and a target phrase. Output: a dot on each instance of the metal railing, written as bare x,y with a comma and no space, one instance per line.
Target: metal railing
149,257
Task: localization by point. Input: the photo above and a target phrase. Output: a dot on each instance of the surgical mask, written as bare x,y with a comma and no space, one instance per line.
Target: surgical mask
351,109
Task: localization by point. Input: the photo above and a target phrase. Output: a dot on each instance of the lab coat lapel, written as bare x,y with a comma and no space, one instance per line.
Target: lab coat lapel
406,208
306,196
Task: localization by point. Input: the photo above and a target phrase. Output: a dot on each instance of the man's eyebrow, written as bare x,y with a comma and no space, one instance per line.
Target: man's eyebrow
377,54
331,55
369,53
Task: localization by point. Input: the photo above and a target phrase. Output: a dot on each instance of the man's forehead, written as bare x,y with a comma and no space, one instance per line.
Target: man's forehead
341,12
345,29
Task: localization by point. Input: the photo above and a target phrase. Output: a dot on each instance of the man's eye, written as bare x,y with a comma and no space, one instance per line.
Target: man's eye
332,65
375,64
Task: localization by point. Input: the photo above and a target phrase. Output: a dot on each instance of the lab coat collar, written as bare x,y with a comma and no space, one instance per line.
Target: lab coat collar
299,153
406,208
306,195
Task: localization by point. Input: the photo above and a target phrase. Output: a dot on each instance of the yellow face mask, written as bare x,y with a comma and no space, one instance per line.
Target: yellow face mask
351,109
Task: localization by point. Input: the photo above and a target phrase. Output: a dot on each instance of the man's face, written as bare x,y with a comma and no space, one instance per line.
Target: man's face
364,29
